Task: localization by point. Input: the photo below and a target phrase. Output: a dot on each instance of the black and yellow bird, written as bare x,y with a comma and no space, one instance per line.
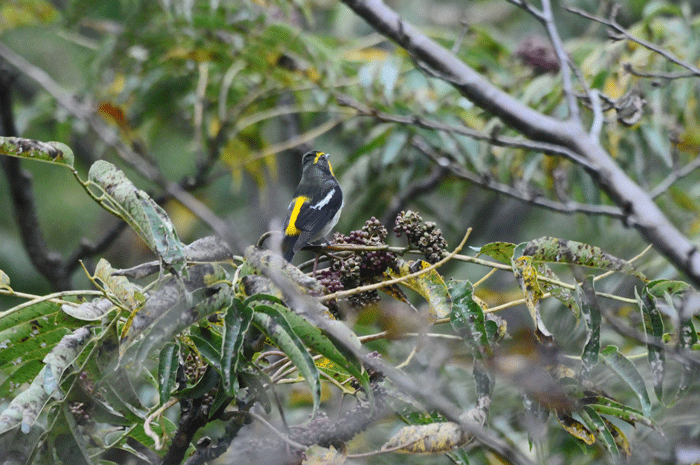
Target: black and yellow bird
315,208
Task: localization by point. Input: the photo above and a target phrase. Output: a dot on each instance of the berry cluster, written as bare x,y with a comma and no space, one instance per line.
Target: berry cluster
361,267
78,410
423,236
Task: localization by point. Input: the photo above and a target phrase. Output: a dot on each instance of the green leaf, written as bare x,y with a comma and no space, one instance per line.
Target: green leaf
4,281
121,198
526,275
560,293
236,323
29,149
590,310
89,311
71,446
552,249
61,356
596,424
629,374
271,322
501,251
206,383
608,406
575,428
167,370
208,345
127,293
654,329
430,285
315,339
467,318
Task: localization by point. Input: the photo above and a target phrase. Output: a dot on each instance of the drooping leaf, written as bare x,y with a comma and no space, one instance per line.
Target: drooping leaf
29,149
167,370
595,423
271,322
62,356
562,294
526,275
430,285
654,329
206,383
208,344
126,292
552,249
575,428
140,211
433,438
71,446
628,372
590,309
236,323
89,311
4,281
25,408
621,441
315,339
467,318
167,312
606,405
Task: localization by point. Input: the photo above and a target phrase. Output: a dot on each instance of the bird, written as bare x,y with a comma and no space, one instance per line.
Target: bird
315,209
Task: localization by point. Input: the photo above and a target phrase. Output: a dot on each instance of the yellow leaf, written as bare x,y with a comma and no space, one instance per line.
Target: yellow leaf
434,438
430,285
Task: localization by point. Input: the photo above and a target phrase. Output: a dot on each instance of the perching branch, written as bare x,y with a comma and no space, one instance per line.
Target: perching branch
638,207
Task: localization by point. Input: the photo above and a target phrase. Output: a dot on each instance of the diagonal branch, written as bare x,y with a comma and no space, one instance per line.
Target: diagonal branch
639,209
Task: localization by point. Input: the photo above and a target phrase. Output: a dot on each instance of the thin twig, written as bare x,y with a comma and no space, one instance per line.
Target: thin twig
618,28
369,287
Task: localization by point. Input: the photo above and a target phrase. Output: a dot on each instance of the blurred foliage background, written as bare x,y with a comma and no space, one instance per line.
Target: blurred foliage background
223,97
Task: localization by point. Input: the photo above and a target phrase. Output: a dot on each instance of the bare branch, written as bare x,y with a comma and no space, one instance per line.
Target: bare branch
527,197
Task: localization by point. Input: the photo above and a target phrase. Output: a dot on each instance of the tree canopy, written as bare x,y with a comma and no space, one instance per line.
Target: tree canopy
512,279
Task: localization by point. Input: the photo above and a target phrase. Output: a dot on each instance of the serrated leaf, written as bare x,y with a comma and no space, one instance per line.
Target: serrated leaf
575,428
501,251
433,438
629,374
141,212
590,309
654,329
431,286
552,249
236,323
168,364
271,322
467,318
29,149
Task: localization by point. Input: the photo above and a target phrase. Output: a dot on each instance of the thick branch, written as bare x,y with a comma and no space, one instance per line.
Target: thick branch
640,210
